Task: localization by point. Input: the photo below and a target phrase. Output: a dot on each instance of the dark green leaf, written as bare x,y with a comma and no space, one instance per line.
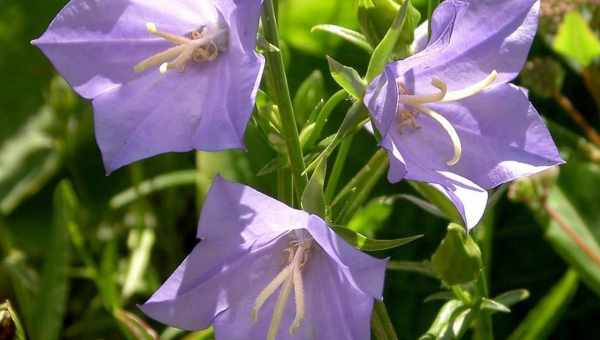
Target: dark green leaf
347,34
313,198
309,94
364,243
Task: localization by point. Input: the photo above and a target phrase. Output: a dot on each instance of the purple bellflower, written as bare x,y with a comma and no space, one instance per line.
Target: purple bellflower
263,270
164,75
448,116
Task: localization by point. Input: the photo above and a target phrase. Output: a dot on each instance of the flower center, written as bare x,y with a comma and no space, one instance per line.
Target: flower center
414,104
199,46
290,278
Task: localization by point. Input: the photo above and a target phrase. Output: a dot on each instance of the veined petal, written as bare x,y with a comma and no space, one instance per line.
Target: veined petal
470,39
95,44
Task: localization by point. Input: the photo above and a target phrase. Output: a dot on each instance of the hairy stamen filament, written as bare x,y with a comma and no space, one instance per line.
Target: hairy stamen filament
447,126
298,262
428,98
269,290
279,308
471,90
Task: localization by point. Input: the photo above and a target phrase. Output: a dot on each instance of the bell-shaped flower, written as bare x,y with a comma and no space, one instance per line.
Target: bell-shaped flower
164,75
448,116
263,270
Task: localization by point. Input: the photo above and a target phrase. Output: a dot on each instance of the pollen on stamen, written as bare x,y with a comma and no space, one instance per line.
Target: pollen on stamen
164,68
151,27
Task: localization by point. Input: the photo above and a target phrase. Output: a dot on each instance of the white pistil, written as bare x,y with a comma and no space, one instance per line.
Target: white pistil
449,130
178,56
406,117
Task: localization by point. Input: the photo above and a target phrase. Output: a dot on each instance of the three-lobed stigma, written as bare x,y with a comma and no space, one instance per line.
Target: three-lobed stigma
199,46
414,104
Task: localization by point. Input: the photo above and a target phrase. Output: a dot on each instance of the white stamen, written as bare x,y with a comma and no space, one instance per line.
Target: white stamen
164,68
428,98
299,298
159,58
151,27
447,126
269,290
279,308
471,90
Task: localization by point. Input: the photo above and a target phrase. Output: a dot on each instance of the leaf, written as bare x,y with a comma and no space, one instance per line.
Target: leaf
52,298
346,34
308,96
544,317
28,160
575,40
423,267
296,18
25,282
493,306
572,239
384,50
512,297
313,198
135,327
382,326
348,78
451,322
443,296
371,218
152,185
10,323
366,244
141,249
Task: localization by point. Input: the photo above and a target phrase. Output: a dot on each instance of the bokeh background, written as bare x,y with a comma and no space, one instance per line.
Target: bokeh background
79,250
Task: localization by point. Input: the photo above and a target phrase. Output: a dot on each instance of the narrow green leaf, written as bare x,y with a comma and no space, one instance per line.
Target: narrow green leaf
493,306
575,40
10,323
139,259
423,267
440,296
308,95
205,334
348,78
135,328
323,116
364,243
51,302
353,37
512,297
152,185
370,218
451,322
313,198
544,317
382,326
383,52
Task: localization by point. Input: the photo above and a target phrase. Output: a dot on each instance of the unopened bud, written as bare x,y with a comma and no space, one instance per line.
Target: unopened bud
457,260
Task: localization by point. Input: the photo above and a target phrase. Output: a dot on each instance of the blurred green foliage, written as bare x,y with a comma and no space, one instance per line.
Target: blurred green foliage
79,250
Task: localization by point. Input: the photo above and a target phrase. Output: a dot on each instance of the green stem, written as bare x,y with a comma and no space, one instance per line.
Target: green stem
338,167
281,95
483,235
382,326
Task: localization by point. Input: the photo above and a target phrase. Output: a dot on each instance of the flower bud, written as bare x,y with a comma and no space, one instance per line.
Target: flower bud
458,258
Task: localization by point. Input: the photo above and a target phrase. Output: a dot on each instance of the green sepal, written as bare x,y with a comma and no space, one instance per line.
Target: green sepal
348,78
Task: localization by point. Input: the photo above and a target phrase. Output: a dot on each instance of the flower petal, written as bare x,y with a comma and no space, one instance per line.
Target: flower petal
95,44
470,39
235,211
207,283
363,272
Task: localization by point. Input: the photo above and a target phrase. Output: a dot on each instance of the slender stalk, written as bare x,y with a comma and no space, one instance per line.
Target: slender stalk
483,235
382,326
578,117
338,167
281,95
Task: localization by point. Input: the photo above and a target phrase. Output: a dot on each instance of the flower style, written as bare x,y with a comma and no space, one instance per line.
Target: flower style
166,75
448,116
255,257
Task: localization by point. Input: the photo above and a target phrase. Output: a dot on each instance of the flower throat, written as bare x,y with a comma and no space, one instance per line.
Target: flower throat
201,45
414,104
290,278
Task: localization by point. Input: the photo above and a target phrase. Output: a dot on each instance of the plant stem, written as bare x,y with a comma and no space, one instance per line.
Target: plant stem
281,95
338,167
381,323
578,117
